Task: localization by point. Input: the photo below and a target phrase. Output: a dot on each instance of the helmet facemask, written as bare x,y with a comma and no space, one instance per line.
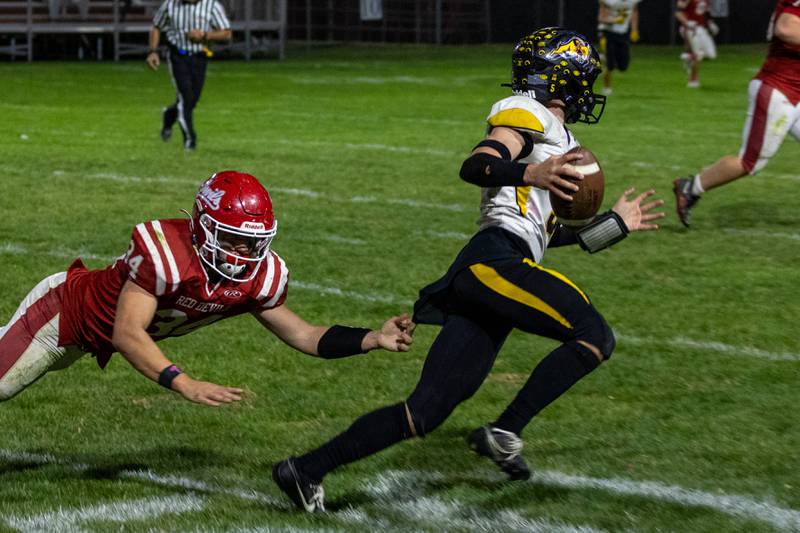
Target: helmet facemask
234,253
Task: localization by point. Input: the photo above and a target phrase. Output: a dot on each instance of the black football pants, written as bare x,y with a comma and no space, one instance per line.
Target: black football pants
188,75
486,301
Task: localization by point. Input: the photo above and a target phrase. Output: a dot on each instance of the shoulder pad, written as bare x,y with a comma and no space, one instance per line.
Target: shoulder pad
522,113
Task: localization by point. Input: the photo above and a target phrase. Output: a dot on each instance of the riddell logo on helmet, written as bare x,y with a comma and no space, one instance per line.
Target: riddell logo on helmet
211,197
573,47
253,226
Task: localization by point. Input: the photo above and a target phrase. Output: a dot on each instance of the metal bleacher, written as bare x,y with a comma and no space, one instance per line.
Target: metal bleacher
258,25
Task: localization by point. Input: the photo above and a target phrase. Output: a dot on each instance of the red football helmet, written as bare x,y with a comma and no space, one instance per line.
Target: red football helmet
233,224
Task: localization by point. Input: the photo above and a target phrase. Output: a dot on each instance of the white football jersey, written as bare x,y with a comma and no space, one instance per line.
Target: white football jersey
526,211
620,11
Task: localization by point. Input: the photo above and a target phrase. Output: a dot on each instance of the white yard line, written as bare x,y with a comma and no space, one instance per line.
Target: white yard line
392,299
730,504
201,486
404,492
351,295
404,487
292,191
70,520
709,346
761,234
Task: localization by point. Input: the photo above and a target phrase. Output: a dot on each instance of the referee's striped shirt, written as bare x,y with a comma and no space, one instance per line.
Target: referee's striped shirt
178,17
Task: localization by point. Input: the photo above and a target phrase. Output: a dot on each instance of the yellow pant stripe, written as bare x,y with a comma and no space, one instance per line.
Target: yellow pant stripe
492,279
559,275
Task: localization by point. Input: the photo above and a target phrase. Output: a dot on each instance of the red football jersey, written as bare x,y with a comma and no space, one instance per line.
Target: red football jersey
782,67
697,10
162,260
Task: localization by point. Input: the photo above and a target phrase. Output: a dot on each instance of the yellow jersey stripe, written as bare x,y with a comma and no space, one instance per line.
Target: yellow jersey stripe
522,199
517,118
492,279
559,275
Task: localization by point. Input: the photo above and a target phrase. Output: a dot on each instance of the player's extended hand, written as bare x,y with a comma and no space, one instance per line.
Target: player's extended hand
637,215
153,61
204,392
395,334
196,36
635,37
548,175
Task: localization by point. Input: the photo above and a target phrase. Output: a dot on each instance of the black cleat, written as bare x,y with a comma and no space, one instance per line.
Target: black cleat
684,199
305,494
502,447
166,133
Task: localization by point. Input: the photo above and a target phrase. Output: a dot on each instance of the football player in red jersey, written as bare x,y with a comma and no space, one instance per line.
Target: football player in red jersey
697,29
774,111
178,275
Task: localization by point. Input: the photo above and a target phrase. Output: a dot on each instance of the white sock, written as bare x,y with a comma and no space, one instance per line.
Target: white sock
697,187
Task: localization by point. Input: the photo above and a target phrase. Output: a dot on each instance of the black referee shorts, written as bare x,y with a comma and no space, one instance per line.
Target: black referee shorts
617,50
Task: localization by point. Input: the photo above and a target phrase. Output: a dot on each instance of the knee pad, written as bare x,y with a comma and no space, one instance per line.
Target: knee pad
595,330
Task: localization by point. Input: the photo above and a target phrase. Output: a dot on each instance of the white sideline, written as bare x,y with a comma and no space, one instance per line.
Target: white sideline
676,342
69,520
396,486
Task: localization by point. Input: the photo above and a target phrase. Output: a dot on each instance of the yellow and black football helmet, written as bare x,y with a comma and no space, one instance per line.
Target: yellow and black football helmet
556,63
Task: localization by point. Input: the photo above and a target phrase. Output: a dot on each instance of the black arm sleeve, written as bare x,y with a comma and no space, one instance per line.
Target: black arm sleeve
563,236
486,170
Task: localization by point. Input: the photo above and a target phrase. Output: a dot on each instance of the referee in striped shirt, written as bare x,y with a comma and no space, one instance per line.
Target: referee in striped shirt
190,25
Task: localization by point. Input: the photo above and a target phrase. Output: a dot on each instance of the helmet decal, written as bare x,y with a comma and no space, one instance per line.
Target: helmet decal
574,47
210,196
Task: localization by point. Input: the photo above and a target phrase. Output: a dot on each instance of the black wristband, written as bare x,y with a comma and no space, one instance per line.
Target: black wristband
341,341
152,51
168,375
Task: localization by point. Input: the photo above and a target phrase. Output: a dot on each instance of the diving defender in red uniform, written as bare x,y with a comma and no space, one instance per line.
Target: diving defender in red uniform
177,275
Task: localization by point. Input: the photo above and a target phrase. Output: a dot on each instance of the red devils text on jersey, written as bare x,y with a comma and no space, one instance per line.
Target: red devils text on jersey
162,261
782,67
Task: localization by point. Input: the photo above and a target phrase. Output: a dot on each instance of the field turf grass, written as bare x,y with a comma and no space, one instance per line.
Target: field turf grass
692,425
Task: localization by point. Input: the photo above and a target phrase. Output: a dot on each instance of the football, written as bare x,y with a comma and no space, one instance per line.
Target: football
586,202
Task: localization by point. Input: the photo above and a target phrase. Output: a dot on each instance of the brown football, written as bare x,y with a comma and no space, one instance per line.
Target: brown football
586,202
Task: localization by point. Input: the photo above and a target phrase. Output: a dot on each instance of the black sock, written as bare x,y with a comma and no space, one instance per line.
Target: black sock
170,115
552,377
369,434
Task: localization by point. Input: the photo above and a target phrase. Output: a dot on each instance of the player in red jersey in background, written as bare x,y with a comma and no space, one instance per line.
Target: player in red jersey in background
178,275
697,29
774,111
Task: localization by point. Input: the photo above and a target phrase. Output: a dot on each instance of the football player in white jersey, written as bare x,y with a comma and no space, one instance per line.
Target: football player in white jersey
497,282
618,23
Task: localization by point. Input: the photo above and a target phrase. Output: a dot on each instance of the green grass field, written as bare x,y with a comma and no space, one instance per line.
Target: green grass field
692,426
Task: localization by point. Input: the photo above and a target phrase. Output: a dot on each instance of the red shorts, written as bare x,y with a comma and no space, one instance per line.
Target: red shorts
770,116
29,342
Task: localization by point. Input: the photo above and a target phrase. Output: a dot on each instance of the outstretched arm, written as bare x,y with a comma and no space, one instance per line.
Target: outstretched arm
135,311
336,341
